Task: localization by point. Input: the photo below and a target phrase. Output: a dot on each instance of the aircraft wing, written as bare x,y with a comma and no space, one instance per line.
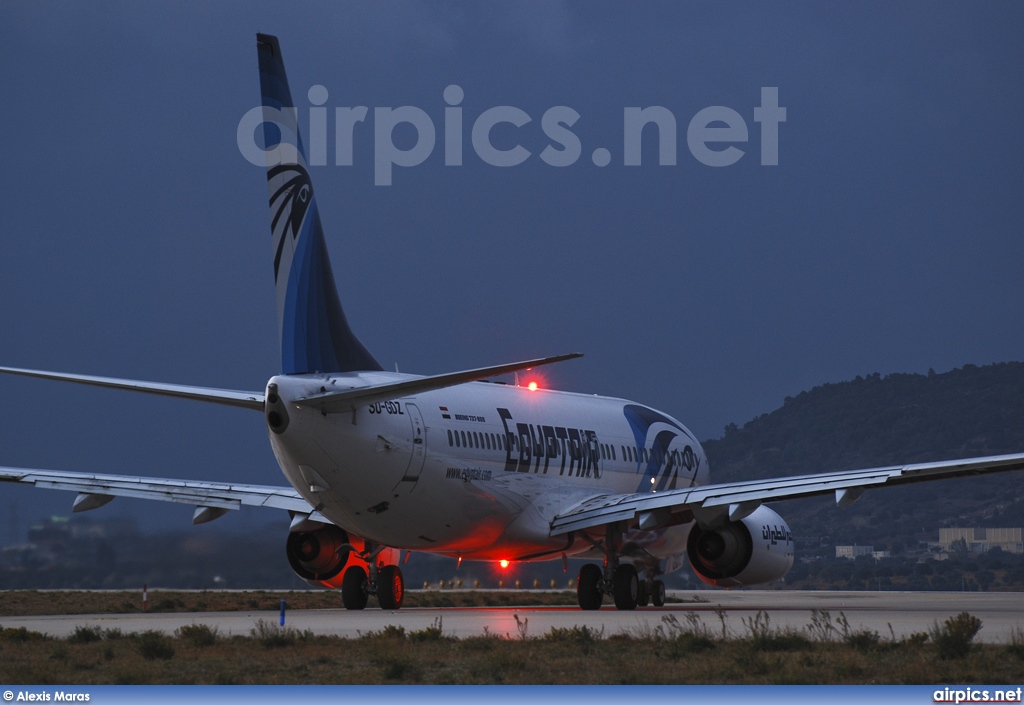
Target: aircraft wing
711,504
247,400
211,499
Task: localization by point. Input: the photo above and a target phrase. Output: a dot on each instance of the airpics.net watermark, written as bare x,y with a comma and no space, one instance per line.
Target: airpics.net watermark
711,135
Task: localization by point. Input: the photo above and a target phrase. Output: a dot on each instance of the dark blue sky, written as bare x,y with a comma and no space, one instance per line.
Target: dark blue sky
136,238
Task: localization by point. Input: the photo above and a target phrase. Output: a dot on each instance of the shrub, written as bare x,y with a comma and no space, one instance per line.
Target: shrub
916,639
153,645
271,635
1016,646
85,635
20,634
953,638
198,634
432,633
863,640
576,634
821,627
389,632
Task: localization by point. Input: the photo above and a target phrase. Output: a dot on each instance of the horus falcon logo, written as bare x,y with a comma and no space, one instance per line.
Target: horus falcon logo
291,193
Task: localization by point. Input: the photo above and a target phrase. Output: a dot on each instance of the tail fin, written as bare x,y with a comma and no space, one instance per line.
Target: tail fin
315,335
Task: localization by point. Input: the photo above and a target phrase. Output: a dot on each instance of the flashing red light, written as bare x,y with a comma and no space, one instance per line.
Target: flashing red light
503,563
532,386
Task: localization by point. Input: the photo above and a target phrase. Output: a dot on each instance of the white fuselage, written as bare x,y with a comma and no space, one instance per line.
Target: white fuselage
480,469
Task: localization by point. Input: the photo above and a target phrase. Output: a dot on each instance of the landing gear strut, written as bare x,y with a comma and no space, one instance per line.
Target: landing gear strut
386,582
619,580
625,587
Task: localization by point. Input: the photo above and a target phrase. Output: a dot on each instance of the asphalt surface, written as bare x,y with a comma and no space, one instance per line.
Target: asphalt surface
905,612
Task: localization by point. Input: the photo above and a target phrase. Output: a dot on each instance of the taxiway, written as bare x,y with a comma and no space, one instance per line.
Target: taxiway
1002,615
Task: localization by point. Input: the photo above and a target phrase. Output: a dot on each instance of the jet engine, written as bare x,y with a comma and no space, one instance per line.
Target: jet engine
319,556
752,550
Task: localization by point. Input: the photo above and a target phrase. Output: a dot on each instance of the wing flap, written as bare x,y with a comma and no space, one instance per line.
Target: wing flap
716,500
217,495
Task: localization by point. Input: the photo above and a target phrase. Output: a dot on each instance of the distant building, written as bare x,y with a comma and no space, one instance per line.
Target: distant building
852,552
979,540
881,554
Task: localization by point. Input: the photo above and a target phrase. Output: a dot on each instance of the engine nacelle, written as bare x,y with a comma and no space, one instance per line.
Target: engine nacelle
319,556
753,550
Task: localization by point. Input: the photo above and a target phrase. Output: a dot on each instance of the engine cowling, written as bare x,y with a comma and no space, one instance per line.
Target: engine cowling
755,549
318,556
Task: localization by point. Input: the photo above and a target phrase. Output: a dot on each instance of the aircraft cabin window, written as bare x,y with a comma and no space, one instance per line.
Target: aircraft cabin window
450,441
487,439
464,444
613,452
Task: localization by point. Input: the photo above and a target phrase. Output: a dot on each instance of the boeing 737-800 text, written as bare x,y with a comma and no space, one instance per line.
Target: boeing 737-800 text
381,462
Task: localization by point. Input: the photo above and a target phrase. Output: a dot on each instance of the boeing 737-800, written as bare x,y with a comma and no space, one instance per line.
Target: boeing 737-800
380,463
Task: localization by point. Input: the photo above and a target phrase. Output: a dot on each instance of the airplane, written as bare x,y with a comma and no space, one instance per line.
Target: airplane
380,464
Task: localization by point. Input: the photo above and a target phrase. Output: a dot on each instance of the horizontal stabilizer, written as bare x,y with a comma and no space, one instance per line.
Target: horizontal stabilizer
337,402
247,400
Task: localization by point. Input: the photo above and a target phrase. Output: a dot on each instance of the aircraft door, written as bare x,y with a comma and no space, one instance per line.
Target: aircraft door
419,447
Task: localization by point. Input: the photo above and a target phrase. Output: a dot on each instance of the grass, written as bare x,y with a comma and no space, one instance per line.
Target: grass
678,651
31,602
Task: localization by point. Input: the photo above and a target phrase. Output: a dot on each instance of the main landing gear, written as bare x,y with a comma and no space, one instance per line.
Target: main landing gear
386,582
619,580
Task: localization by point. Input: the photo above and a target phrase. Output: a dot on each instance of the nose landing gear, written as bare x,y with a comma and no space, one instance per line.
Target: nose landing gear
386,582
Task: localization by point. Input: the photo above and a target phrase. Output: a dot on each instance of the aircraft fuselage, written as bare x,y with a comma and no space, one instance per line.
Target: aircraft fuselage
477,470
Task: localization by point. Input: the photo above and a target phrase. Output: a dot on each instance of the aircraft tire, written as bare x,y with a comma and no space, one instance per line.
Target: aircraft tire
354,594
390,588
643,597
658,595
625,586
587,591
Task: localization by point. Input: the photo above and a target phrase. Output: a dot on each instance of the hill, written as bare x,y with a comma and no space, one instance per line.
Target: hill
896,419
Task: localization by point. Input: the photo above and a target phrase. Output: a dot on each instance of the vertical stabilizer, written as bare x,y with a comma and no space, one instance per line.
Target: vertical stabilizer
315,336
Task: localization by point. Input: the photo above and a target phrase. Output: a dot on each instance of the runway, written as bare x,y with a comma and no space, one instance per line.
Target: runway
906,612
